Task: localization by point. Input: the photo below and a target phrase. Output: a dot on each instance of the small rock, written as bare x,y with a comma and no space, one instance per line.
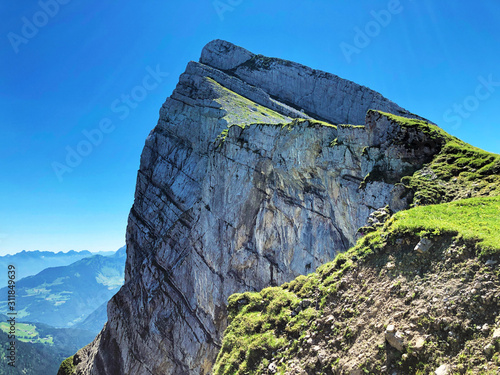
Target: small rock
489,349
272,368
485,328
443,370
395,339
491,262
419,343
423,246
496,334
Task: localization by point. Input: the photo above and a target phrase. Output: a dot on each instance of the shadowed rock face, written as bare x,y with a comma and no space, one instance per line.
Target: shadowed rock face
219,210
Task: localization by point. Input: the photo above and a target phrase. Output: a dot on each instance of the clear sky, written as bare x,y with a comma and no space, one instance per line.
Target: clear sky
81,84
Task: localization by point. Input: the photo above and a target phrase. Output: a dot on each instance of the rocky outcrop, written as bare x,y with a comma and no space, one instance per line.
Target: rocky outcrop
241,187
323,95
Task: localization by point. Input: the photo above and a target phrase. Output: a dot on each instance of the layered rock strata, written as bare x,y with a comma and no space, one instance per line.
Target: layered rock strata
248,180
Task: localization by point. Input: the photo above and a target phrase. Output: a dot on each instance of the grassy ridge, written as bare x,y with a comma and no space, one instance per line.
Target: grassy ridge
475,219
433,132
458,171
242,112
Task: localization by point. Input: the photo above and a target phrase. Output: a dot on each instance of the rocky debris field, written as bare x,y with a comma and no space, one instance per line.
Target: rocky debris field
397,303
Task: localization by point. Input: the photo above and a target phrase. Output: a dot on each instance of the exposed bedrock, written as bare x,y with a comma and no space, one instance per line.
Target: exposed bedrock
221,209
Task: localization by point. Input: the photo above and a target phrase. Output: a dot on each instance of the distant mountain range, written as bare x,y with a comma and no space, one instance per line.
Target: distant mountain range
65,296
30,263
72,297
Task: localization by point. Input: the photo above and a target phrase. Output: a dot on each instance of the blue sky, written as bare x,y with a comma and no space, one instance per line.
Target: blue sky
90,77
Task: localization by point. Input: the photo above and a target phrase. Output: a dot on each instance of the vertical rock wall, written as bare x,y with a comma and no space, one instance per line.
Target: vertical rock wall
221,209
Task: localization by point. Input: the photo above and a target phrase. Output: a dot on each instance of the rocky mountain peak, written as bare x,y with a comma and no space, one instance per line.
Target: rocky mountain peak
251,178
320,94
224,55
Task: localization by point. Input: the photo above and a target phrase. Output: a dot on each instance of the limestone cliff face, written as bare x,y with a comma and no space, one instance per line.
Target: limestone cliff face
221,209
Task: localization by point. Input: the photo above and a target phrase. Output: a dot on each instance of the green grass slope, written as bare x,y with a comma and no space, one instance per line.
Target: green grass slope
458,171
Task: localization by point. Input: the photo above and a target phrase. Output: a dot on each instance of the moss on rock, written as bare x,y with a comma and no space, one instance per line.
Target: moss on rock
67,367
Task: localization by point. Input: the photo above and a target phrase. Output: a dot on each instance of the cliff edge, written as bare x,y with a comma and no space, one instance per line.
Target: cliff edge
259,170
